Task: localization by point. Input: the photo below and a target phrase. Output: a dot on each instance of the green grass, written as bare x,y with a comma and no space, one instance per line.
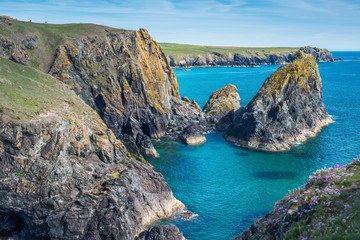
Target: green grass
50,37
26,92
179,50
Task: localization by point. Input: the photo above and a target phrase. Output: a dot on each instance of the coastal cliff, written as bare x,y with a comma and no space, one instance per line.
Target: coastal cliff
186,56
63,173
287,109
122,74
326,207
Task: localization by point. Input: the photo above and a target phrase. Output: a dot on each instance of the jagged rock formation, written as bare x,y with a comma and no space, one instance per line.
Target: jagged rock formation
321,55
287,108
211,59
63,173
325,208
222,105
186,113
162,232
123,75
192,135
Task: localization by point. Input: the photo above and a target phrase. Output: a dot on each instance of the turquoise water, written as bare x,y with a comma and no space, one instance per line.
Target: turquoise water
229,186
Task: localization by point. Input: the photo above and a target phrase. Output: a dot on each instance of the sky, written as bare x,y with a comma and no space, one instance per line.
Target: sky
331,24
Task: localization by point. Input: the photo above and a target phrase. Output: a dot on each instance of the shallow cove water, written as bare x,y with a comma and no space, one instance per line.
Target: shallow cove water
229,186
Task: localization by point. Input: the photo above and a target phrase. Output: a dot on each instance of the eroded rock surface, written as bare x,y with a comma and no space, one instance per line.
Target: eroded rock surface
192,135
287,109
222,105
162,232
64,174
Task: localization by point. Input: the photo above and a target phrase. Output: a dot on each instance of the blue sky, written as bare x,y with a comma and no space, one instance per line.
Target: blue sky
332,24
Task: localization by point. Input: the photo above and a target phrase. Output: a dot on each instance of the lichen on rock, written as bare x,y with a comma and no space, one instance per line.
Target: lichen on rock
287,109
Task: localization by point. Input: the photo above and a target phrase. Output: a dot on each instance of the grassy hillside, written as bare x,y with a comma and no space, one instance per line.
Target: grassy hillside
26,94
178,50
50,36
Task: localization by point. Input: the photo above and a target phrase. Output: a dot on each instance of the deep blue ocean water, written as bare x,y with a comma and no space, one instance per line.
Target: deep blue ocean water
229,186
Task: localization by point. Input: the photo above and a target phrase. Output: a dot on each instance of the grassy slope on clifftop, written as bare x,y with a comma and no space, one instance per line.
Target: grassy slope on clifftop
178,50
51,36
26,93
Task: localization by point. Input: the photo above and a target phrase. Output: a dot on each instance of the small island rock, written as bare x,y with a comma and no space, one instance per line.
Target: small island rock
222,101
287,108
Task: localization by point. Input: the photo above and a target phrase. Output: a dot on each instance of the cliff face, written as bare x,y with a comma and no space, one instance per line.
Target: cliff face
123,75
250,58
63,173
287,109
327,207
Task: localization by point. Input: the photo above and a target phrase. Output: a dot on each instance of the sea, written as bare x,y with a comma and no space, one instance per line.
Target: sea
227,186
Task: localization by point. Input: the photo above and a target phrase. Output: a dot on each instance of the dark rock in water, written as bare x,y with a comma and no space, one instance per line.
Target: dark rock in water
275,175
338,60
222,105
303,155
184,114
187,215
161,232
242,154
287,109
193,135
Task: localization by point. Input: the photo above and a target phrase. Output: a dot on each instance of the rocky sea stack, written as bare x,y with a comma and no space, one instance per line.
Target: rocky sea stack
287,108
222,105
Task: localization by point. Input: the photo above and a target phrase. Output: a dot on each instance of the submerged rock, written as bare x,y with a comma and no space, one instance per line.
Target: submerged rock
187,215
287,108
193,135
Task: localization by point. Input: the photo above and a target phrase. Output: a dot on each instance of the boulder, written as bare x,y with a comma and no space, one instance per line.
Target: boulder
192,135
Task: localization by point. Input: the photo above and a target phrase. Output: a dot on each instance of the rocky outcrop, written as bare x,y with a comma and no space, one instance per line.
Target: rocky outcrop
184,114
222,105
123,75
162,232
64,174
287,109
325,208
321,55
211,59
192,135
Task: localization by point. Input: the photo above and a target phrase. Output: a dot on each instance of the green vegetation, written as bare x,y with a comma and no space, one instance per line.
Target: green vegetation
327,207
50,37
25,93
179,50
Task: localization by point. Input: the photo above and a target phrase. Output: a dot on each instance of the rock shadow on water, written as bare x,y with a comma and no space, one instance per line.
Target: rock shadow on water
242,154
303,155
274,175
